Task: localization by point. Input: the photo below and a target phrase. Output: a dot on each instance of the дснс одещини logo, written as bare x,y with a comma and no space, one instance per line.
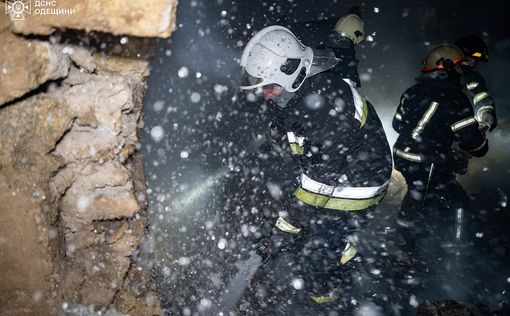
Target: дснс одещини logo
17,9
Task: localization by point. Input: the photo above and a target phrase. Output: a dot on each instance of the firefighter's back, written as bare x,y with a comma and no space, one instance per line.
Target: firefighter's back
426,117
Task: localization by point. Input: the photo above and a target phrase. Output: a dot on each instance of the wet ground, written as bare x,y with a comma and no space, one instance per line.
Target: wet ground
471,265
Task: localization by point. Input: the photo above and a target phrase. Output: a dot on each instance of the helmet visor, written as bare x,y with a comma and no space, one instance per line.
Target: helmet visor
322,60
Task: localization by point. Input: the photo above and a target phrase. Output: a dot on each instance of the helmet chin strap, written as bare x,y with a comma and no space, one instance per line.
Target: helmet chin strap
283,98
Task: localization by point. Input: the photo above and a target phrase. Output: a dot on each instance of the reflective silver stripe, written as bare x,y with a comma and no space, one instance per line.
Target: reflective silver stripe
284,226
341,192
481,110
358,101
406,155
486,108
292,138
425,119
398,116
350,82
472,85
359,192
463,123
479,97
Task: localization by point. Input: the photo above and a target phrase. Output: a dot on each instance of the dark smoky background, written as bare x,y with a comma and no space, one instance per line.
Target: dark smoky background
192,134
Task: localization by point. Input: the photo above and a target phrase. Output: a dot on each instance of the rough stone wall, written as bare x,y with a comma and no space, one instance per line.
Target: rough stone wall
102,215
16,80
29,231
72,192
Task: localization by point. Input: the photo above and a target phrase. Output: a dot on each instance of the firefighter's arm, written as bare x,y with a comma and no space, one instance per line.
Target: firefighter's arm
464,126
326,144
397,120
469,137
484,105
310,146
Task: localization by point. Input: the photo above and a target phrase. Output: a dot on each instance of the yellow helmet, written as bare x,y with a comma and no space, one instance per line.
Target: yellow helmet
351,26
440,55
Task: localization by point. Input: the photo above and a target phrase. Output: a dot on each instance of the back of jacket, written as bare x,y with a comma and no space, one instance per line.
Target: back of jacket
432,115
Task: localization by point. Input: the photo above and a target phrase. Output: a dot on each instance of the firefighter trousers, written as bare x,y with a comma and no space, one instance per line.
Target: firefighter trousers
305,272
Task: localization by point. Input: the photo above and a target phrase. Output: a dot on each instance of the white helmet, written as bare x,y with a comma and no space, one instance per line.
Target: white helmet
275,56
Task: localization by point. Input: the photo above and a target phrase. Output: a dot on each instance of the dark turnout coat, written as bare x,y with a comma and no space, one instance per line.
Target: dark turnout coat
338,141
433,114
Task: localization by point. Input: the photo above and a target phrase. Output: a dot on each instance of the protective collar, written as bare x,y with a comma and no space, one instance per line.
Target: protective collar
441,78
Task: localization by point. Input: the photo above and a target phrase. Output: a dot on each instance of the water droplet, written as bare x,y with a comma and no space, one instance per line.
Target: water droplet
183,72
157,133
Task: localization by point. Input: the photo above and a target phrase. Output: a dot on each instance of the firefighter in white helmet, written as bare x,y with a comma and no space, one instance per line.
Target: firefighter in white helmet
337,143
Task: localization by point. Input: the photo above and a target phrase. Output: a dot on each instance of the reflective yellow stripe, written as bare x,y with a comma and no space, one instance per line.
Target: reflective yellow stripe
284,226
472,85
335,203
324,299
296,143
479,97
463,123
296,149
477,55
353,205
349,252
311,198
